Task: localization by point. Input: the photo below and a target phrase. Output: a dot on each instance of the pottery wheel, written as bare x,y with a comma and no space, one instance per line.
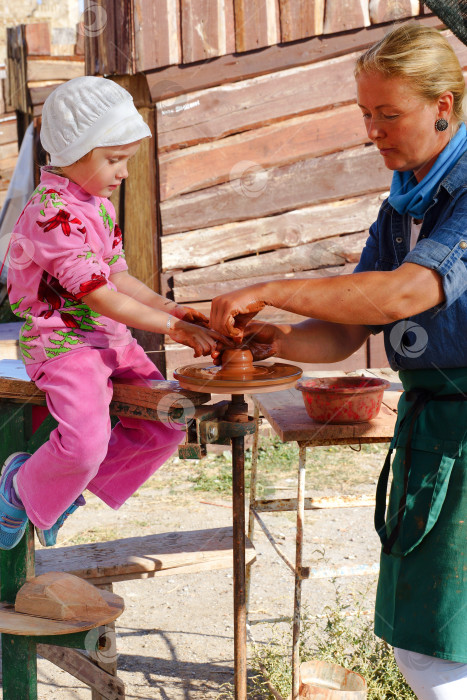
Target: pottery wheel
238,374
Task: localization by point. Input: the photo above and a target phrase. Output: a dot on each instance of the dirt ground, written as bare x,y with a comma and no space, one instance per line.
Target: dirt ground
175,638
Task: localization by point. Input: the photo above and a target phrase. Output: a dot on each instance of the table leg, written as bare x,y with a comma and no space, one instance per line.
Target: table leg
251,517
238,487
298,573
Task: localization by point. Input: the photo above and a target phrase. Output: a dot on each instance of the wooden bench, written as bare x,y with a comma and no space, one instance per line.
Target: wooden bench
104,563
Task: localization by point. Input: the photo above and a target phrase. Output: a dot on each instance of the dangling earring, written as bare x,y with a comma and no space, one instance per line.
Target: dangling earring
441,125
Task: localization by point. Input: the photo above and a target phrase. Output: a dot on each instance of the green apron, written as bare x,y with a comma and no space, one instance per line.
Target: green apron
421,602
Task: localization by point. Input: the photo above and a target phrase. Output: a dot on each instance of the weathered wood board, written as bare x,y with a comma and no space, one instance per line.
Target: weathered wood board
301,18
342,15
256,24
207,29
259,192
226,109
142,557
286,141
216,244
325,253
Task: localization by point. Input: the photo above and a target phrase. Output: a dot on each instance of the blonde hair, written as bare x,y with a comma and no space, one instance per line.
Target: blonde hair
423,57
57,170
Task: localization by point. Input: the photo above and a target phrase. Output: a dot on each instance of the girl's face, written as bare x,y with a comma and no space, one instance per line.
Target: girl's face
104,170
401,123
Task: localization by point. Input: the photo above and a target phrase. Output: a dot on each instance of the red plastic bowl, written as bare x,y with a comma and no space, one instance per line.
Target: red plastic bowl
342,399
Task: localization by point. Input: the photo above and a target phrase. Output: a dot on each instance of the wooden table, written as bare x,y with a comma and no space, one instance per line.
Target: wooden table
285,411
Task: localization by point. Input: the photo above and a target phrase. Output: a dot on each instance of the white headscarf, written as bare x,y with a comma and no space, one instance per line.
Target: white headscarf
85,113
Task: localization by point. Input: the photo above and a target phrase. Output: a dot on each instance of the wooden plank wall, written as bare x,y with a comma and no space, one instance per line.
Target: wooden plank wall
141,35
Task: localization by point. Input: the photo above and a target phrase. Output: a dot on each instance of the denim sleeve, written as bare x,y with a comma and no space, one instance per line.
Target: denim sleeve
445,250
368,260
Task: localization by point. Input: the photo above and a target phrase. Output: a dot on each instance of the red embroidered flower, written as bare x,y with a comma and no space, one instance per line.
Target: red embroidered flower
61,218
93,283
69,320
51,292
117,236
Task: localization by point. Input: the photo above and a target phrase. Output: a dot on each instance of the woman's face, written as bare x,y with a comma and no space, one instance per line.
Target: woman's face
401,123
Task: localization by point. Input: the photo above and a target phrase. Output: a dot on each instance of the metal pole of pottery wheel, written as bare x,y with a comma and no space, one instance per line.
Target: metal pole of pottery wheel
237,412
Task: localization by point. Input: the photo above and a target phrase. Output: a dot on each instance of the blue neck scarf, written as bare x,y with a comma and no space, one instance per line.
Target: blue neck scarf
408,196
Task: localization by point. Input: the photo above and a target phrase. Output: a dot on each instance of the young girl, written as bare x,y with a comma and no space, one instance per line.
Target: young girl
69,281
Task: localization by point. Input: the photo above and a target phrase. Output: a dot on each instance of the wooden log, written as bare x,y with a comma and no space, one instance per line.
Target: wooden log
82,668
207,29
325,253
8,130
227,109
180,79
342,15
210,246
256,24
37,37
209,290
39,93
54,68
388,10
260,192
157,34
9,153
301,18
16,68
195,168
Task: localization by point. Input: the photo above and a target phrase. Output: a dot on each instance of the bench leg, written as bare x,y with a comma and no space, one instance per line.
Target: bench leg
107,658
19,663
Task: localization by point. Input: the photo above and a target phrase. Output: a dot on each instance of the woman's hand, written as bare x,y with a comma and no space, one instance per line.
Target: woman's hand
261,338
186,313
231,312
203,340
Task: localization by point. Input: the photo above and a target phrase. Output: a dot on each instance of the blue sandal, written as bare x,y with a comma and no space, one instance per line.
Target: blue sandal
13,518
49,537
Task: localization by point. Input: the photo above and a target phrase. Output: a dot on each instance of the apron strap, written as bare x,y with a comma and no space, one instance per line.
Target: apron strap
420,398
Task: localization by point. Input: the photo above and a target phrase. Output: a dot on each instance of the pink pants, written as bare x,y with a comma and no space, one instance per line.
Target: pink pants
83,452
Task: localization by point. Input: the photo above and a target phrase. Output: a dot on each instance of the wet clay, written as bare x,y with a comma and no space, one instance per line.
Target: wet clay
238,364
237,374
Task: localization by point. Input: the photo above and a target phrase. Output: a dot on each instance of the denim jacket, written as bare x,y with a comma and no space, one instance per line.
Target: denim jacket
435,338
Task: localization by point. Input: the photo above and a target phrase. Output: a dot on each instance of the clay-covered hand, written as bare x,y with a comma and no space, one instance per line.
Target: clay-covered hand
231,312
203,340
262,339
186,313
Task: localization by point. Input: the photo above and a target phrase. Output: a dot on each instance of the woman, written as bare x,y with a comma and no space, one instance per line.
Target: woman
409,284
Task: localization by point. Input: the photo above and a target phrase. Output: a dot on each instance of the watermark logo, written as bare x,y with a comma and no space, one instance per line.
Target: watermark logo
173,98
248,178
408,339
176,411
93,20
104,649
20,254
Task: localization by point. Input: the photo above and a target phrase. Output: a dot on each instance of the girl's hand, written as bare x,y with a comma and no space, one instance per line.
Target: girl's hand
202,340
186,313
